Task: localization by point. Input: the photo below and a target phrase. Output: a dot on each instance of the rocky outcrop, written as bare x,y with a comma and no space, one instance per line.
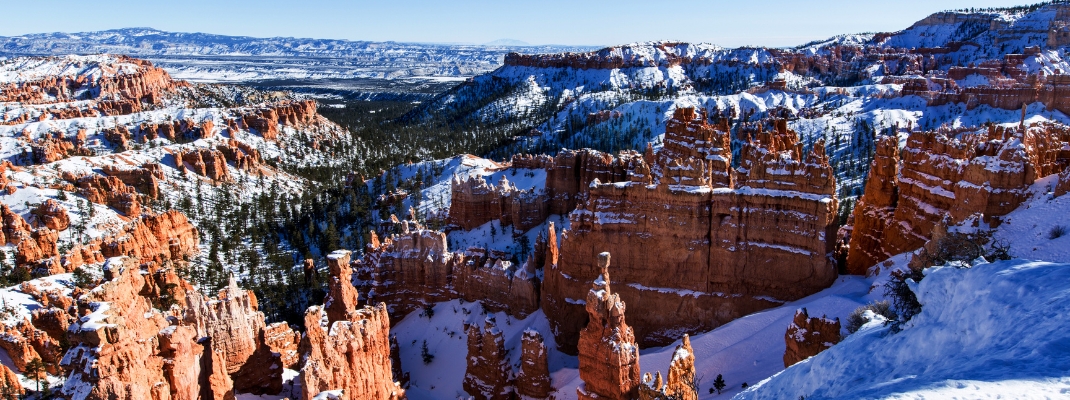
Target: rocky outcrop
114,350
986,172
281,339
167,236
875,208
473,202
414,267
110,191
765,239
52,215
99,87
209,163
349,355
342,297
681,383
266,120
145,179
237,331
533,380
1062,186
9,382
488,375
243,156
808,336
609,355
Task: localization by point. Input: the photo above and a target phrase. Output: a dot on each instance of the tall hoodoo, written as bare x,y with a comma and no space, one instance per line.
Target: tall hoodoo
342,296
488,375
533,381
609,356
348,348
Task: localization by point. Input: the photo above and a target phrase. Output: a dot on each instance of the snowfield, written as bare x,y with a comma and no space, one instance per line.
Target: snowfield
996,330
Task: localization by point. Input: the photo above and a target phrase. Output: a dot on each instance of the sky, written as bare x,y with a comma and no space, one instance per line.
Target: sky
571,22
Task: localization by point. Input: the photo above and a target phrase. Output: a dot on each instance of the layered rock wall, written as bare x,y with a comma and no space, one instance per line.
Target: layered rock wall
764,239
987,172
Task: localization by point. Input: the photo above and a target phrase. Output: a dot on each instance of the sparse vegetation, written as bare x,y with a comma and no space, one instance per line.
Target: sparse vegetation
857,318
1056,232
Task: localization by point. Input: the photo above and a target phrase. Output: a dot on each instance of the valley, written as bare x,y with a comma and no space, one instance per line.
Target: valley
880,215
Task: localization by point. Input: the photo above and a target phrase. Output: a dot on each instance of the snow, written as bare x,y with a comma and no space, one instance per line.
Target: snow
1027,229
996,329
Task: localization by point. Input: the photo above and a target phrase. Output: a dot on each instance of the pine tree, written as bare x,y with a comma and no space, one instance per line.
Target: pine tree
719,383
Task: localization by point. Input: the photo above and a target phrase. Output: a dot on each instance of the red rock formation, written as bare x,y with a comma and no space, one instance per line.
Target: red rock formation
281,339
413,268
533,380
182,361
681,382
112,92
53,215
609,355
986,172
15,227
237,332
875,208
209,163
114,352
266,120
9,382
244,156
110,191
488,375
145,179
808,336
1062,186
349,355
342,297
167,236
474,203
735,255
53,321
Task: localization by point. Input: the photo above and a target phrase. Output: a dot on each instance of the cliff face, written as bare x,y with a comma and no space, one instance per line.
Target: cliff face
874,210
125,347
763,239
986,172
413,268
609,355
808,336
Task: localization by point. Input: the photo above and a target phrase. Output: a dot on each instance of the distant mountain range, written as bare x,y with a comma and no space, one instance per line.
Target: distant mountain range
353,69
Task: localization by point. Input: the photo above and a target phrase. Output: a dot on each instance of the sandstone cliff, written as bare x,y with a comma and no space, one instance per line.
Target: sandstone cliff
765,238
985,172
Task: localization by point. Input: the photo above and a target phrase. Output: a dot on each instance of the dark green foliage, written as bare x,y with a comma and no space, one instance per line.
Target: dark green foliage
719,384
425,354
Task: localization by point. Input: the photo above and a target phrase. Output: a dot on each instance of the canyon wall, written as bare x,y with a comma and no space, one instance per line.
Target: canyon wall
414,267
985,172
759,237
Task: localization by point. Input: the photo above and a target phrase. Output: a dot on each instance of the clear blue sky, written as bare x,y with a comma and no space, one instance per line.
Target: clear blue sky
579,22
